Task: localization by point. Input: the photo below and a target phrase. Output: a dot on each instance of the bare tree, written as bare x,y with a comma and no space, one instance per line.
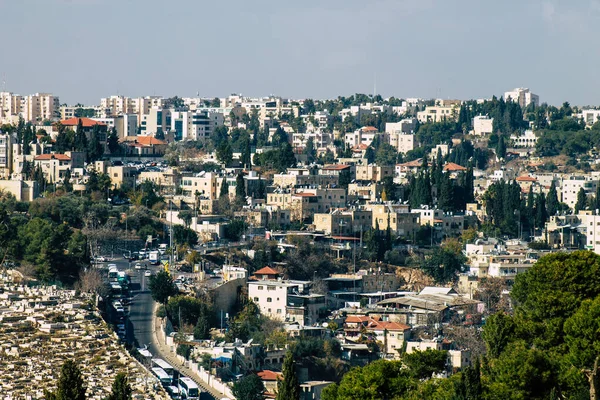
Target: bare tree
90,281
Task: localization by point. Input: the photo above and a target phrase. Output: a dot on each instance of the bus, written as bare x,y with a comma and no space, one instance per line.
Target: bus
162,376
160,363
174,392
189,389
113,273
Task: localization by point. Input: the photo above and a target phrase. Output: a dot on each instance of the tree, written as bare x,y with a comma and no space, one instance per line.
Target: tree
113,141
310,151
249,387
501,149
552,205
498,331
225,153
121,390
162,287
345,178
423,364
289,388
582,336
581,200
70,384
94,147
80,143
444,263
240,187
224,192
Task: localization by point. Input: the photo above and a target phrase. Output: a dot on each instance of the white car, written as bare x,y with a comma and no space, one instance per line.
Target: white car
147,273
138,266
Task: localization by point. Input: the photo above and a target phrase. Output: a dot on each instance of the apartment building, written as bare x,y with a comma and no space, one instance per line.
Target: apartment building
54,166
589,116
343,222
373,172
522,96
296,177
305,202
6,143
126,125
483,125
33,108
364,191
438,113
571,184
400,220
362,136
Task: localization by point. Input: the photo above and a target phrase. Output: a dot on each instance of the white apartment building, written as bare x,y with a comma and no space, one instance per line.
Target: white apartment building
522,96
364,135
34,108
195,125
438,113
271,297
116,105
126,125
590,117
571,184
482,125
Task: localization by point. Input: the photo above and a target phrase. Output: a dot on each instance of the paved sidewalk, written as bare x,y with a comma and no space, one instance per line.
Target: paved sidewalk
166,354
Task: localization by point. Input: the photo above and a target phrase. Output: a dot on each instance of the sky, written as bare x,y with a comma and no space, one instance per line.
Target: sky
82,50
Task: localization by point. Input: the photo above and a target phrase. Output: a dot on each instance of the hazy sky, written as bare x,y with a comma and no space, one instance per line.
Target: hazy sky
82,50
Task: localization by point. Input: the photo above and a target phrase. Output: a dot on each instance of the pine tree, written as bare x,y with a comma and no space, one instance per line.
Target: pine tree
446,195
289,388
121,390
94,149
552,203
70,384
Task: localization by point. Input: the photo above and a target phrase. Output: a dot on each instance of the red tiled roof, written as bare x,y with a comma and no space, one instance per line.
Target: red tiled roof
335,167
85,122
369,129
357,319
526,179
268,375
266,271
414,163
148,140
61,157
453,167
390,326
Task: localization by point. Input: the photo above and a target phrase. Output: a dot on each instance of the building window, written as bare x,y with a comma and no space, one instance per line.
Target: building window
256,299
260,288
269,299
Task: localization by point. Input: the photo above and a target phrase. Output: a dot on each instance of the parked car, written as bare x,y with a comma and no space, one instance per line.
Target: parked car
147,273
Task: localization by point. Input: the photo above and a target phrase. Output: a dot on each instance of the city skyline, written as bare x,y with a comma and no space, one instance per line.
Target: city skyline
426,49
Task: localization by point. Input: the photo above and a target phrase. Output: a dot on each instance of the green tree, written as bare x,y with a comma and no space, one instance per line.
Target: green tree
501,149
423,364
345,178
310,151
225,153
444,264
70,384
224,192
582,335
80,143
94,146
113,141
249,387
240,187
121,390
498,331
581,200
162,287
552,205
289,388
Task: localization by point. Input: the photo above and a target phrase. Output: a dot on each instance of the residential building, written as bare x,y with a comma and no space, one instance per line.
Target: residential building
144,146
361,136
482,125
126,125
522,96
527,140
89,126
438,113
55,166
373,172
589,116
571,184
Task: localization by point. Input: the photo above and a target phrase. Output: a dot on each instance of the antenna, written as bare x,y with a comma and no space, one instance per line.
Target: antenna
374,86
4,81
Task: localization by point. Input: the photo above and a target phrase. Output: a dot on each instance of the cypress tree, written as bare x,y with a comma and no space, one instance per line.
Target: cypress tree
581,201
289,388
501,149
240,188
121,390
552,203
70,384
446,195
224,192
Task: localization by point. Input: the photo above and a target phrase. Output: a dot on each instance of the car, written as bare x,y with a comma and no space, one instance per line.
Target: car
147,273
138,266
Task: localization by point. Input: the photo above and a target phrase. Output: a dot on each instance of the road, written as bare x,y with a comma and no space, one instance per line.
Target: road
139,326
